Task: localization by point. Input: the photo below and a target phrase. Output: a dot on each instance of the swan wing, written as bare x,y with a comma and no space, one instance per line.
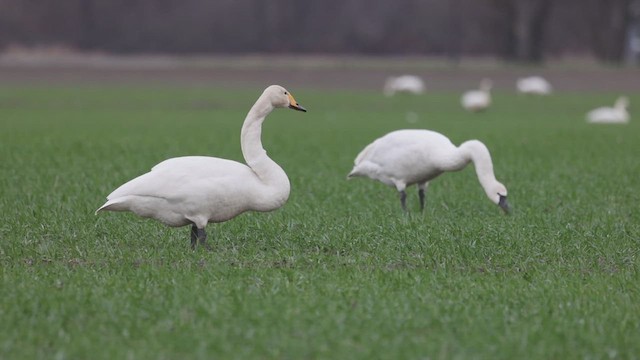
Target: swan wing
534,85
475,99
182,176
394,142
404,157
607,115
601,114
469,98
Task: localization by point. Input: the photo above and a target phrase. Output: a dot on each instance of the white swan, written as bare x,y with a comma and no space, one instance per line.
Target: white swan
196,190
478,100
406,157
535,85
618,114
409,84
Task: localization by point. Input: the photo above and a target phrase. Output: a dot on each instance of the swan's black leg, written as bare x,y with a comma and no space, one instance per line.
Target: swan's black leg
194,236
198,236
202,237
422,187
403,200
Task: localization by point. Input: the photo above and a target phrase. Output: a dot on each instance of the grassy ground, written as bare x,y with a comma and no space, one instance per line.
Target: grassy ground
339,272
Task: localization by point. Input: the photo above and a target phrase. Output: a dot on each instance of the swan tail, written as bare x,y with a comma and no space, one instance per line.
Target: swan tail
116,204
360,159
365,168
352,174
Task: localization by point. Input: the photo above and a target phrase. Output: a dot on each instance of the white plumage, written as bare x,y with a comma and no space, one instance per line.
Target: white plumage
409,84
478,100
406,157
618,114
535,85
197,190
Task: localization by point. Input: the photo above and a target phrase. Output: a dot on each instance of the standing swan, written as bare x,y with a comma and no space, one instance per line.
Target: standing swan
478,100
198,190
406,157
618,114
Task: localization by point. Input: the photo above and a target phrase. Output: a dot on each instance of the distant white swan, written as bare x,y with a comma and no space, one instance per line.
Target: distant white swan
535,85
409,84
618,114
406,157
478,100
196,190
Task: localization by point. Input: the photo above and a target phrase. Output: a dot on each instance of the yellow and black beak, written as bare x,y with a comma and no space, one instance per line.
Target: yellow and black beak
293,104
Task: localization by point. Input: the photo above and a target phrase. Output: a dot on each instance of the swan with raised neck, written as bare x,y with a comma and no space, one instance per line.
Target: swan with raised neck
618,114
197,190
478,100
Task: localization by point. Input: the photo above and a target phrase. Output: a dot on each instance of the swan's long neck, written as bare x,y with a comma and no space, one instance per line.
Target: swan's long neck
250,137
621,106
269,173
476,152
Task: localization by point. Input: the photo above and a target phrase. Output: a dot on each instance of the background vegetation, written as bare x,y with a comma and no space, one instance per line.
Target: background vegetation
522,30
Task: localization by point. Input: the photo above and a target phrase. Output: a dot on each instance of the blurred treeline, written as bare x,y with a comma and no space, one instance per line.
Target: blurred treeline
522,30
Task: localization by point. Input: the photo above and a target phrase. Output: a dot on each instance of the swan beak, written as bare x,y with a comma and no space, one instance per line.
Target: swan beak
504,204
293,104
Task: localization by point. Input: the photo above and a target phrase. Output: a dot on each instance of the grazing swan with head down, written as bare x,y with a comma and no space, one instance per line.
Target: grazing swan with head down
618,114
406,157
478,100
197,190
535,85
408,84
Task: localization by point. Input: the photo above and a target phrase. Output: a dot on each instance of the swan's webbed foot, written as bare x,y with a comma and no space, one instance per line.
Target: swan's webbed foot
199,236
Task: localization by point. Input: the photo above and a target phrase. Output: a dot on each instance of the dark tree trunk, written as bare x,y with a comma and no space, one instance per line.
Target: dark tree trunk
524,24
87,25
511,40
529,23
454,31
609,23
535,53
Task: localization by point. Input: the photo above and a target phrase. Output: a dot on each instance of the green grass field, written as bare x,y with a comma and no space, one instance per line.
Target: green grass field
339,271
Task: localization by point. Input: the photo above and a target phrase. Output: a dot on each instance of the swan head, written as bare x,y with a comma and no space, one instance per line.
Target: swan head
498,194
281,98
622,103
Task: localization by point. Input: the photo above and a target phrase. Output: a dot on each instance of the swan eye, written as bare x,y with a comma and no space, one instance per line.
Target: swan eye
285,93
